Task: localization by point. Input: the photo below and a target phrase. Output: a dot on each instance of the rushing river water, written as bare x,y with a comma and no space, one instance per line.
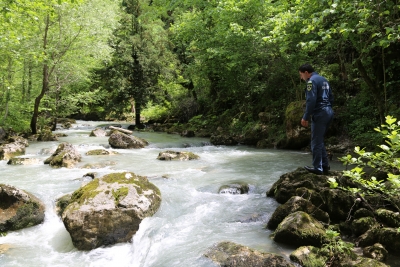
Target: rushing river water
192,216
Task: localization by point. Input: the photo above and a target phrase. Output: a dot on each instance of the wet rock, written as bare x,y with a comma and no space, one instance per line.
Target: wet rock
47,135
300,229
223,140
296,135
109,209
365,262
24,161
19,209
121,140
306,254
376,252
336,202
362,225
388,217
230,254
388,237
98,132
97,152
65,156
296,204
98,165
15,146
234,189
61,203
177,155
360,213
188,133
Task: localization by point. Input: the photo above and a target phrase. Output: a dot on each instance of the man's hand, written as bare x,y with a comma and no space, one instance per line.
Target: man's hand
304,123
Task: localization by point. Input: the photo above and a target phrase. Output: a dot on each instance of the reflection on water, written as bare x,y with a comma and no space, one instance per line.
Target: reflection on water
192,216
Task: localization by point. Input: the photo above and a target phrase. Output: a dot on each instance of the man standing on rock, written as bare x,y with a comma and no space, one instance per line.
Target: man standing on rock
319,100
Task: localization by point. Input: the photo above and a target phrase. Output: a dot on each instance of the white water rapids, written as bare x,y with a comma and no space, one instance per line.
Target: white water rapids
192,216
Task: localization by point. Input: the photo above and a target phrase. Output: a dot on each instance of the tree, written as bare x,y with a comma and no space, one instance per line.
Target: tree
141,57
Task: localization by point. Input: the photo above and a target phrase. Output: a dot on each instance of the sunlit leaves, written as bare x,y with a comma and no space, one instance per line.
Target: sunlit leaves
386,161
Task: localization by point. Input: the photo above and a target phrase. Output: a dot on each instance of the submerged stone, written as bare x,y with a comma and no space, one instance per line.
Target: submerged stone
235,255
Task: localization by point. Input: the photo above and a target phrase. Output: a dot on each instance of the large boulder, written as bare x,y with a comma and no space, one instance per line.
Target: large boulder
376,252
121,140
19,209
15,146
65,155
336,202
177,155
109,209
296,135
287,184
230,254
300,229
388,237
388,217
294,204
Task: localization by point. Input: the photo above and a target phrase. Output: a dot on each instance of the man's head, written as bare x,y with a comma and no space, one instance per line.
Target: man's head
305,71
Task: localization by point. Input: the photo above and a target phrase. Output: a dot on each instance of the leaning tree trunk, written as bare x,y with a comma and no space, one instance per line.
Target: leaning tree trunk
45,82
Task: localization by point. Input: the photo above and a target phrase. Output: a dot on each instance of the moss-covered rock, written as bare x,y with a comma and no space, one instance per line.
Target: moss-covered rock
234,255
19,209
300,229
376,252
100,152
308,256
125,141
362,225
297,136
24,161
65,156
14,146
388,217
109,209
177,155
296,204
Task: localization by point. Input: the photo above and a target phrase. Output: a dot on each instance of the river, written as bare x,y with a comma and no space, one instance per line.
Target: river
192,216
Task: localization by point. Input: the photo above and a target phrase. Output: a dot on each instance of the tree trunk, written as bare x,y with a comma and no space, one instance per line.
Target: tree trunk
137,114
45,81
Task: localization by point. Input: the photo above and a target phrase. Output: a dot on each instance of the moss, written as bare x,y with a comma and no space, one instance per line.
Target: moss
120,193
57,160
192,155
292,110
86,192
62,203
140,181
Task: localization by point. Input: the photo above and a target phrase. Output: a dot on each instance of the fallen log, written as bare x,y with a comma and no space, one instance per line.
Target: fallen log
121,130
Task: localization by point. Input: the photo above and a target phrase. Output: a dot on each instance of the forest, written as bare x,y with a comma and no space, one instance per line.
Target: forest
204,62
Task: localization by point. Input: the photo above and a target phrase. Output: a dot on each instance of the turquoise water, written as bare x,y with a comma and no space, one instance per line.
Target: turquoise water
192,216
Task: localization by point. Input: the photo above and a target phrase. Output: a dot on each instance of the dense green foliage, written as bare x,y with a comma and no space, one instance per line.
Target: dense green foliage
382,177
179,59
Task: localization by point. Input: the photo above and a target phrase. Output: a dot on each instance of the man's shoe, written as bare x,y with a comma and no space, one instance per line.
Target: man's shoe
325,169
312,170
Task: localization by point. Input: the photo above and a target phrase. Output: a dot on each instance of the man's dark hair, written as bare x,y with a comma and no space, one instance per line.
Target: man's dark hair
306,67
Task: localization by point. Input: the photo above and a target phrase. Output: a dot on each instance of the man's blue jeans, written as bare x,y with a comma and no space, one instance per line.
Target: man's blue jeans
319,125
